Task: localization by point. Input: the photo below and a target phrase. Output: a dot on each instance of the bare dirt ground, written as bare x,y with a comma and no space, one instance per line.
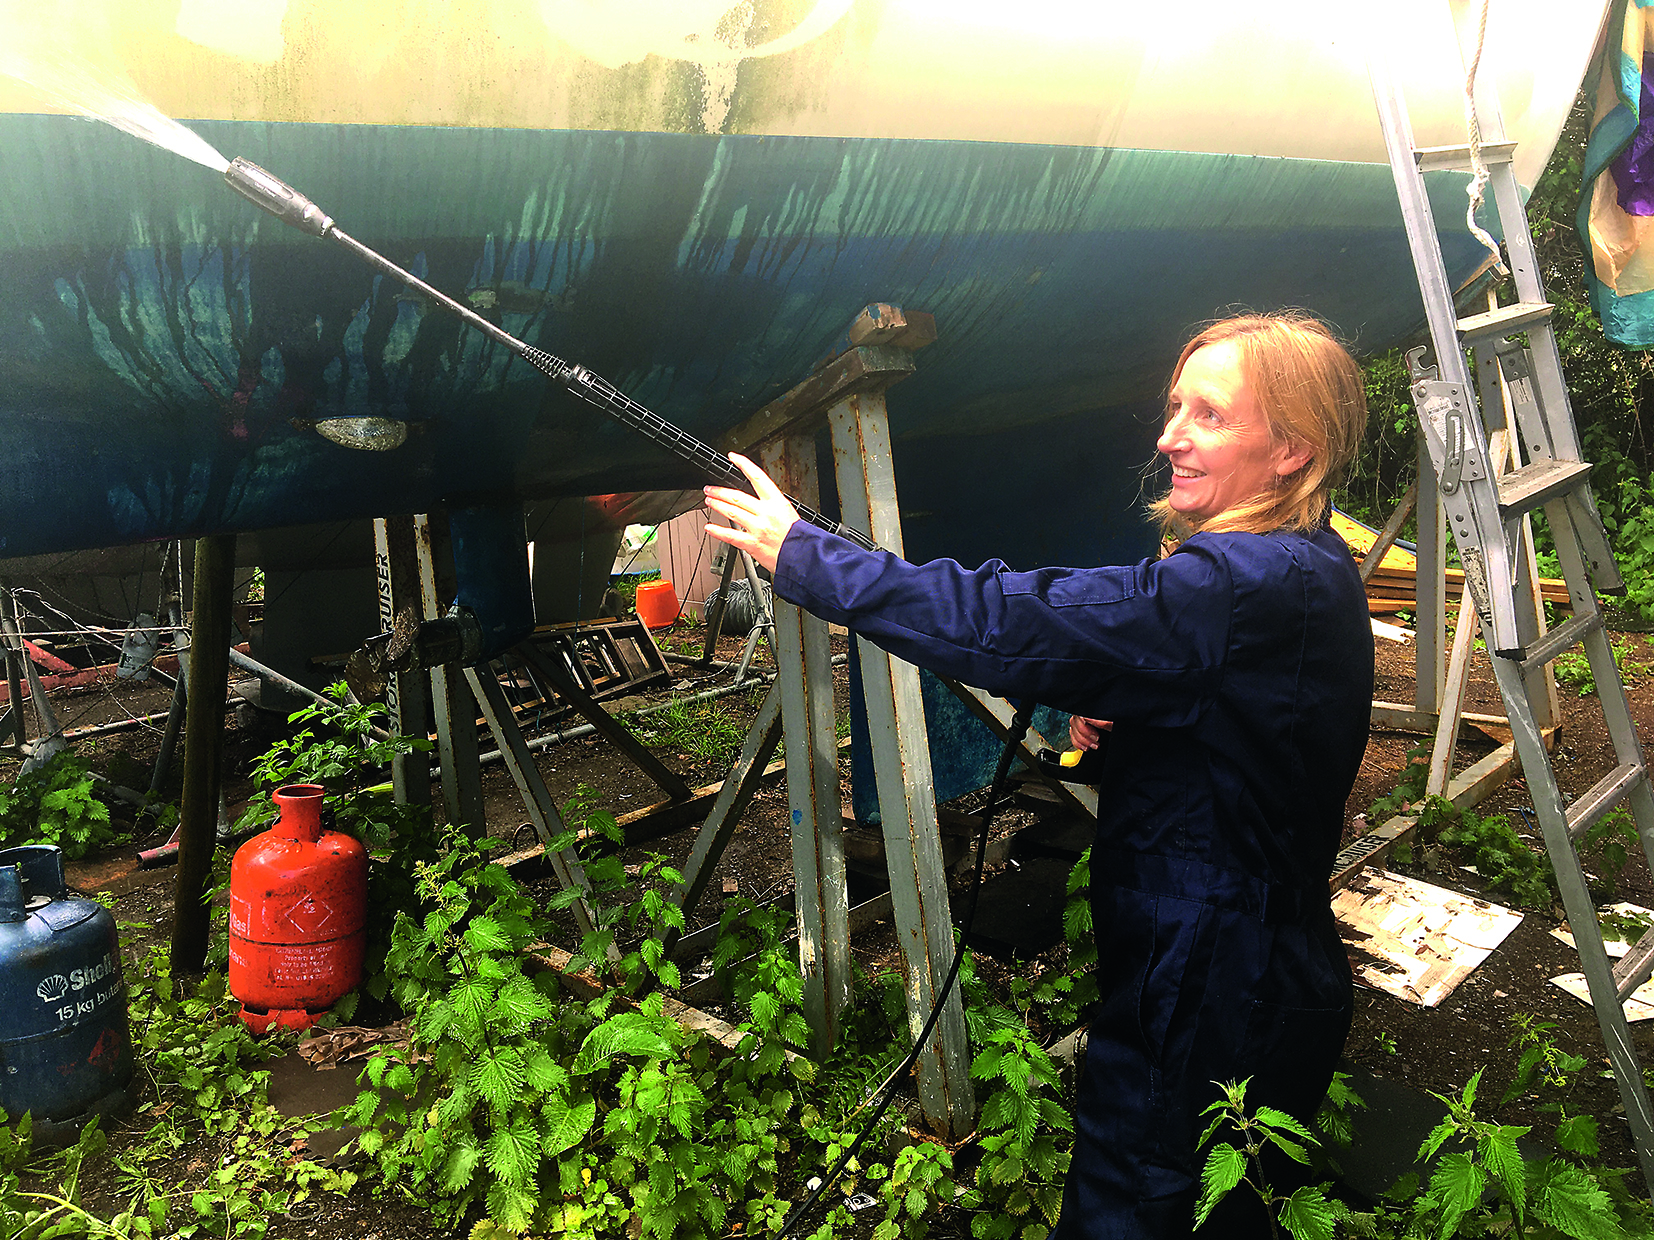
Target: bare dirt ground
1430,1049
1439,1048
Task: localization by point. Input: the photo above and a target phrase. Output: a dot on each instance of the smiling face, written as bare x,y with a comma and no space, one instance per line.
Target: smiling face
1217,439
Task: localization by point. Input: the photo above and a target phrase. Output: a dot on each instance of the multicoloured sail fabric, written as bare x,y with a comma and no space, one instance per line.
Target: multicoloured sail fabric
1616,209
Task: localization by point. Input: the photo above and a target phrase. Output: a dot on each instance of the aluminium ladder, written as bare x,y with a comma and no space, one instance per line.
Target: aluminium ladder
1485,511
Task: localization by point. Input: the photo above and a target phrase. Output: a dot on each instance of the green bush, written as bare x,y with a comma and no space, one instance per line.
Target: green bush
568,1117
55,804
1500,856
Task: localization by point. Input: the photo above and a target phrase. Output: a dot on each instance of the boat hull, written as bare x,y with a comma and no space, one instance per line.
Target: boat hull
168,346
696,212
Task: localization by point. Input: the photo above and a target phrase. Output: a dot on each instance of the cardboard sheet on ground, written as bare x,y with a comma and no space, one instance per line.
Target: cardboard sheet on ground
325,1049
1414,940
1640,1004
1629,913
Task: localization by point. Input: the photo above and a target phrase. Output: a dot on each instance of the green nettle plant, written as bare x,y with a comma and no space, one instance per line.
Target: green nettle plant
913,1187
1308,1213
1573,669
761,976
1501,856
1480,1184
1409,789
1022,1130
1611,840
55,804
1060,994
337,750
572,1118
1474,1180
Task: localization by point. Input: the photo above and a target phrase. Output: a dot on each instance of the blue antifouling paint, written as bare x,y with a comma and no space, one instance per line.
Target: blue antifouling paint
65,1054
491,572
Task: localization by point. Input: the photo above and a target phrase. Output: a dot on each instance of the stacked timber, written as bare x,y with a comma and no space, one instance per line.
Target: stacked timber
1393,586
1390,590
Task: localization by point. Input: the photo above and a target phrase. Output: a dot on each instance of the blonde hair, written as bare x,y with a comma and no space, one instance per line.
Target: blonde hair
1310,393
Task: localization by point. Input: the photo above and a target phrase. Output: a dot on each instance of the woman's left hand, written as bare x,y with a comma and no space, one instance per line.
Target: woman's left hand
1086,733
763,518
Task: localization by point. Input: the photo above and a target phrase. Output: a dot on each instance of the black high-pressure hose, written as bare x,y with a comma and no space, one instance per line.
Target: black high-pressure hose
288,205
1013,738
291,207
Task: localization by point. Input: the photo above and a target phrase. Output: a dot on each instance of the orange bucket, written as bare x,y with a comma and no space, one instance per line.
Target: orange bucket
657,604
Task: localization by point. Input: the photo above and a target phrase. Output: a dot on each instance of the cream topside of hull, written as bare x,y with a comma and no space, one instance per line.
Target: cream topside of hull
1283,79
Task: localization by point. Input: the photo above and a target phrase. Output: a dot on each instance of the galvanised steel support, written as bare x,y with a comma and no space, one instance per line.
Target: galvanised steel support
542,810
805,678
563,683
456,731
715,833
396,566
901,763
715,613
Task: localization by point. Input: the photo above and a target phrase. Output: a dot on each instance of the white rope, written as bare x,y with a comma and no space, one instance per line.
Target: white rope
1479,174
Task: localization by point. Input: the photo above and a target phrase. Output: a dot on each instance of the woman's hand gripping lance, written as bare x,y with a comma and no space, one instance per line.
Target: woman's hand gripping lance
762,519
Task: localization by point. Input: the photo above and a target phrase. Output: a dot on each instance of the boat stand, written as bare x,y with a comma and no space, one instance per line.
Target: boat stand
1430,611
50,733
399,568
405,565
715,613
847,394
733,797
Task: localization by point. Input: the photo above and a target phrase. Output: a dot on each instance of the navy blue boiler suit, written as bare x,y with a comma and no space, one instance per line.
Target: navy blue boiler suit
1238,674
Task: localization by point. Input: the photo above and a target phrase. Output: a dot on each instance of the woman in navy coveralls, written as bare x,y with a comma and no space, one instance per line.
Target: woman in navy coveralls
1236,676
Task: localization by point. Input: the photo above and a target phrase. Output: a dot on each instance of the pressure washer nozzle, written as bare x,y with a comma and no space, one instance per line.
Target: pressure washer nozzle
277,197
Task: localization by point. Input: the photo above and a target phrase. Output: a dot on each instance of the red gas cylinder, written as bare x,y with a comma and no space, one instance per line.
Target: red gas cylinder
298,915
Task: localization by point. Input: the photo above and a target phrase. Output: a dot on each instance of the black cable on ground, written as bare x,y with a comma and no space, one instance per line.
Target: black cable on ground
1018,729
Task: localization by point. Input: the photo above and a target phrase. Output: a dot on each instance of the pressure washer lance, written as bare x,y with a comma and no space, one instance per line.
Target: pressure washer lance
291,207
